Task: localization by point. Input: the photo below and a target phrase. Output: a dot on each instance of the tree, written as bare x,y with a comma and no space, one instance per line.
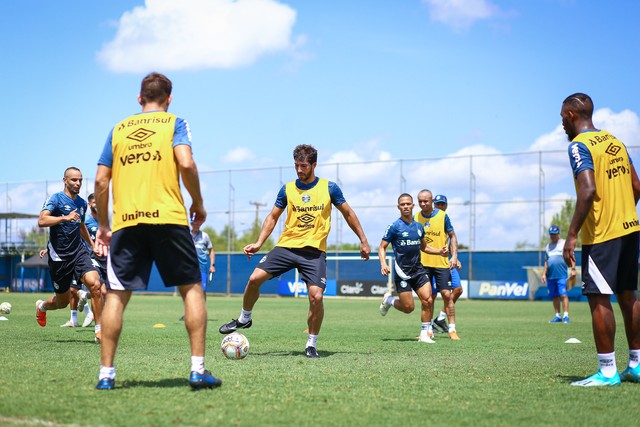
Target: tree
562,219
37,235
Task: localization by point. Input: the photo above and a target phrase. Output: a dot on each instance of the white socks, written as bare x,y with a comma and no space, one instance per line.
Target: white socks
311,341
607,364
245,316
107,372
197,364
634,358
441,316
74,316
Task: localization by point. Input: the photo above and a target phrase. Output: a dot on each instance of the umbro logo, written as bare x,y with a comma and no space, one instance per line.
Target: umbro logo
306,218
613,149
140,134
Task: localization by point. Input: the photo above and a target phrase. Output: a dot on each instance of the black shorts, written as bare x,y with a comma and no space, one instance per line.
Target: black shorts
65,274
440,278
311,264
101,265
134,249
414,283
610,267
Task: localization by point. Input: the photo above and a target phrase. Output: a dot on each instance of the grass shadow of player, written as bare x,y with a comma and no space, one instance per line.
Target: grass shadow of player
161,383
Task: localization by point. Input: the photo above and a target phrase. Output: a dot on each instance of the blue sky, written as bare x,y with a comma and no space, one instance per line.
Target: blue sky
360,80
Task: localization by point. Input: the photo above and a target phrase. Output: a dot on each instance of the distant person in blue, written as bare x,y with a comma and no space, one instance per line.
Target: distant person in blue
69,257
554,275
407,238
206,255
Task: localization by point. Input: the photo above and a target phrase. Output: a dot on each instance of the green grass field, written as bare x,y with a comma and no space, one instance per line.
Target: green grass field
511,367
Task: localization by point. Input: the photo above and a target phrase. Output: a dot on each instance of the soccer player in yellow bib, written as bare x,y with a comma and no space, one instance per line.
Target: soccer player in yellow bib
144,158
303,244
607,189
438,232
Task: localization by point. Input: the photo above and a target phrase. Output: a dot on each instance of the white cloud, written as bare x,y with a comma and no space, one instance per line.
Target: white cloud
199,34
460,14
239,155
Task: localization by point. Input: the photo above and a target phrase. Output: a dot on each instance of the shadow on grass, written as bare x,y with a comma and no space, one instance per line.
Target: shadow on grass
569,378
163,383
292,353
408,339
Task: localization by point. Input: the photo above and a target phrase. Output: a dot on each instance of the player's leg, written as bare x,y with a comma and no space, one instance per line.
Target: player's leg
73,307
316,309
115,303
91,280
195,316
629,305
423,290
600,267
404,302
252,290
552,288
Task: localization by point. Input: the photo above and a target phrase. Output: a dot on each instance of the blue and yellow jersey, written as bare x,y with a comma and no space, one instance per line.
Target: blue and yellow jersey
436,229
613,213
145,176
308,213
65,241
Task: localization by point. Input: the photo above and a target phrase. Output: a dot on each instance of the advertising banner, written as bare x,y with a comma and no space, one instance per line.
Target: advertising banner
480,289
287,288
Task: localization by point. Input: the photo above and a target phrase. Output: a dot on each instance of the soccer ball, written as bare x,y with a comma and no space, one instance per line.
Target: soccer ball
5,308
235,346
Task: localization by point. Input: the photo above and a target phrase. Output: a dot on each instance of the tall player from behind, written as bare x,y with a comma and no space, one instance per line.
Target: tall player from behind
303,243
144,157
406,236
607,189
69,258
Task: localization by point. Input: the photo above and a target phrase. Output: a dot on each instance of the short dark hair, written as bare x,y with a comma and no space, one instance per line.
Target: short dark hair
91,197
581,103
70,168
155,87
305,152
405,195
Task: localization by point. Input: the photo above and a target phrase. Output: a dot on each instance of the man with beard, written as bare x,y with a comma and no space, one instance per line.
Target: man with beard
607,189
303,243
69,257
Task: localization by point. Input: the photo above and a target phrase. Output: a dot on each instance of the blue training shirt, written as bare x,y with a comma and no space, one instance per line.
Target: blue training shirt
556,267
406,240
65,241
337,198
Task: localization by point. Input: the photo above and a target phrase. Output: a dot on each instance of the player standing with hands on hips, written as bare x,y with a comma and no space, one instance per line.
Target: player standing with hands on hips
608,190
144,158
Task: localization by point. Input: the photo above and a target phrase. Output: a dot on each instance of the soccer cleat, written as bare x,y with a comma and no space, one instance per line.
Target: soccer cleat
425,337
556,319
454,336
232,326
98,338
88,320
311,353
631,375
598,380
437,330
69,324
204,380
41,316
384,307
82,300
106,384
565,319
442,324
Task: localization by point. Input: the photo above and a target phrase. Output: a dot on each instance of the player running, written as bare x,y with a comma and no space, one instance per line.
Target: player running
69,257
407,238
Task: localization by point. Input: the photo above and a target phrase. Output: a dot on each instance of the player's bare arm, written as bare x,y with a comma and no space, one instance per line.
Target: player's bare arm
354,223
191,181
428,249
382,256
48,220
453,249
586,191
635,183
267,228
101,192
